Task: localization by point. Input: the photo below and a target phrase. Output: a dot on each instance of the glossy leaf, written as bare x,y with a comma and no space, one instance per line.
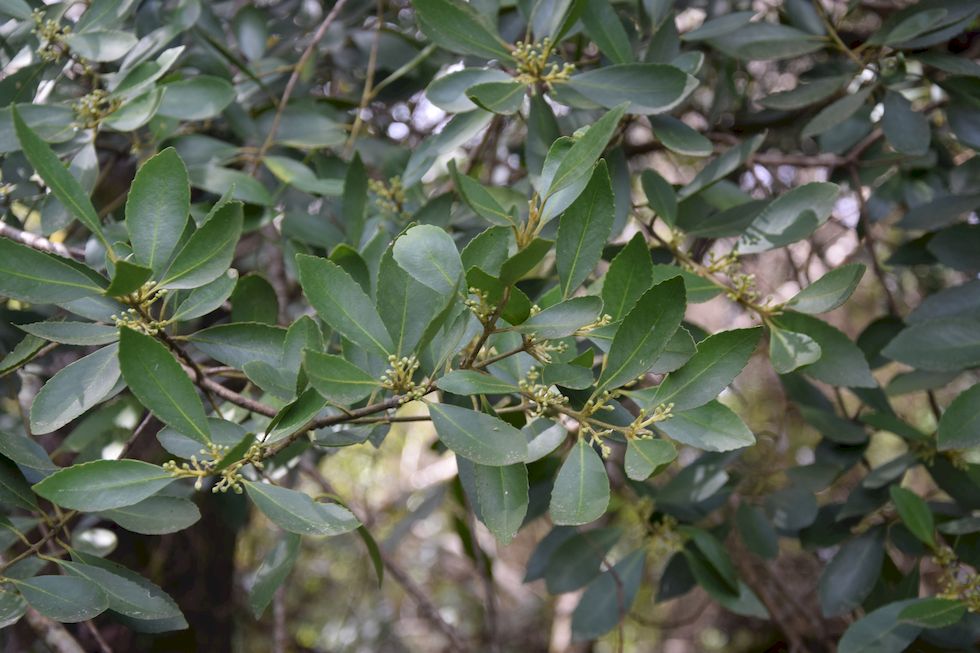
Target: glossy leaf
160,383
581,491
103,484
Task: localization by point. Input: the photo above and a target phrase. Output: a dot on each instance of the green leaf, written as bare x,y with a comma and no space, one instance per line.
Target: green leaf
805,94
127,278
543,437
959,427
31,276
718,361
911,26
471,382
296,512
61,182
603,26
139,600
156,515
756,531
660,196
515,267
933,612
12,608
103,484
906,130
563,319
630,274
25,452
836,112
480,199
238,344
573,559
254,300
449,91
719,26
841,362
915,513
643,88
579,159
711,427
790,217
504,98
581,491
409,307
75,389
196,98
157,208
336,379
63,598
880,631
583,231
251,31
160,383
789,350
502,493
643,334
678,137
209,251
456,26
764,41
101,45
482,438
646,457
607,599
849,578
273,573
938,345
429,254
829,291
341,303
207,298
722,166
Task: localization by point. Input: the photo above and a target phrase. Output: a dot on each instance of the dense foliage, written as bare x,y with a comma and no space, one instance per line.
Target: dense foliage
244,242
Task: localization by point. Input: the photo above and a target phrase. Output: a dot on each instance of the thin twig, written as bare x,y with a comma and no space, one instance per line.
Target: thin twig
321,31
40,243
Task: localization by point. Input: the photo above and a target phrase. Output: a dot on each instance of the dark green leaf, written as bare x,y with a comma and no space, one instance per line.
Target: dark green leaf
160,383
336,379
38,278
273,572
959,427
157,208
61,182
75,389
502,493
209,251
157,515
647,456
643,334
851,575
581,491
342,304
63,598
711,427
915,513
583,231
643,88
296,512
103,484
719,359
458,27
829,291
479,437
